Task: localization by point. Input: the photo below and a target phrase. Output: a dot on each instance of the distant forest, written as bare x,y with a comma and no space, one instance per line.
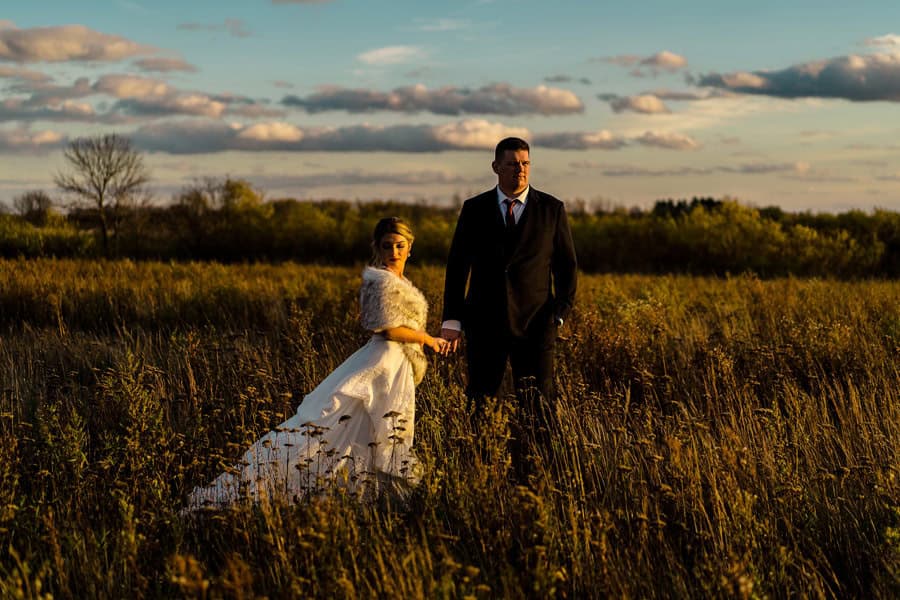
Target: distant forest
229,221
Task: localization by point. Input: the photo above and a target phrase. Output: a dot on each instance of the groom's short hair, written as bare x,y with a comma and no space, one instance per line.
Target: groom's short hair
510,143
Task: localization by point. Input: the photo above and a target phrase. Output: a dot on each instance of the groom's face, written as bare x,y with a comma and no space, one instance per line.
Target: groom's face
512,171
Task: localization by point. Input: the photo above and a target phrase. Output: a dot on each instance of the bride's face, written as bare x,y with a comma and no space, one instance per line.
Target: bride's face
393,249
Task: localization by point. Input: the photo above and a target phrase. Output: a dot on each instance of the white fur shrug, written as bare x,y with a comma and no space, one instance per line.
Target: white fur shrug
387,301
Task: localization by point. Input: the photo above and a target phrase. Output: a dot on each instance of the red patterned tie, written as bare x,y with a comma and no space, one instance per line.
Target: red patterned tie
510,217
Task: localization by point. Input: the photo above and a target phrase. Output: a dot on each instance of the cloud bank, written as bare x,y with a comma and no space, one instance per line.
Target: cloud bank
65,43
606,140
665,60
138,97
209,136
647,104
668,140
23,75
581,140
214,136
890,39
857,78
499,98
66,111
24,140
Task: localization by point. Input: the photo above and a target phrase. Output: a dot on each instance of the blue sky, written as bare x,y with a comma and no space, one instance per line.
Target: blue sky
774,103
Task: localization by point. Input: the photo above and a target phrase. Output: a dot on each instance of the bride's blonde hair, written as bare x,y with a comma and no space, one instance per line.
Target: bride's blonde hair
384,227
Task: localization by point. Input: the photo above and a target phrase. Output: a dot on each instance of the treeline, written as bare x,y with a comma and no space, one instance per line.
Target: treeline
229,221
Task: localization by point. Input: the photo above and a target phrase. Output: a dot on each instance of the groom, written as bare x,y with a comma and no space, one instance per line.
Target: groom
513,246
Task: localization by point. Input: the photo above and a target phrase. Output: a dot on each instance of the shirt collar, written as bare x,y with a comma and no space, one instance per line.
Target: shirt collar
521,197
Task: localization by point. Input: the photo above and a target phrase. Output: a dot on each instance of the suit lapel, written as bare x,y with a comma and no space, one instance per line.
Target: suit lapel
499,217
530,201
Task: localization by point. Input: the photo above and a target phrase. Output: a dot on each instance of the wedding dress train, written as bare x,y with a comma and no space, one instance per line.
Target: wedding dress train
355,429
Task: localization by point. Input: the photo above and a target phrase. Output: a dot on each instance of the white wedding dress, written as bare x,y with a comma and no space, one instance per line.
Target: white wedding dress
354,430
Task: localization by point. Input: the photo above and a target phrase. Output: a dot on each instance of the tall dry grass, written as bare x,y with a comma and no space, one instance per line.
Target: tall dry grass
717,437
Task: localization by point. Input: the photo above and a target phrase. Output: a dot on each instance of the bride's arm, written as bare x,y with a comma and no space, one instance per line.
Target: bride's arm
413,336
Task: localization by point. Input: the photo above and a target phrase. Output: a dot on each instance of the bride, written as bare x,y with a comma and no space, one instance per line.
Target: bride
355,429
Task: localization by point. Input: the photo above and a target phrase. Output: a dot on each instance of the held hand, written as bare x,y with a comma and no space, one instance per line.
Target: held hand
452,337
437,344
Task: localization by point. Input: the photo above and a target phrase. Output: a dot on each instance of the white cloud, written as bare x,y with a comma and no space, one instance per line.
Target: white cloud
654,64
669,140
24,74
65,43
859,78
45,93
132,86
14,109
742,81
391,55
891,39
691,96
195,104
194,137
19,140
77,108
623,60
183,104
647,104
606,140
138,98
581,140
476,133
498,98
42,138
665,60
271,132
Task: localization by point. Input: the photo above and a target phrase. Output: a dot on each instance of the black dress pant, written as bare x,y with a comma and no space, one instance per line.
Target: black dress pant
531,359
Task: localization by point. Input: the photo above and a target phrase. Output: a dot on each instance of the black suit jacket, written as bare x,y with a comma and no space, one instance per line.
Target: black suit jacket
521,289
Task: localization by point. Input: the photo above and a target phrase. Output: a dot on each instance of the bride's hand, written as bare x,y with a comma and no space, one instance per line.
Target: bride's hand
437,344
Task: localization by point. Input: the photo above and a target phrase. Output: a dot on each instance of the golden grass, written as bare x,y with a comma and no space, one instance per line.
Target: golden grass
717,437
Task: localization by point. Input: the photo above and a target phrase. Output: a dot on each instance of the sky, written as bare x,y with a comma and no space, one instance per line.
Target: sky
791,104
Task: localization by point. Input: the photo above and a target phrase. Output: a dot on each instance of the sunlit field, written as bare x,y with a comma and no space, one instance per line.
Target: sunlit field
724,437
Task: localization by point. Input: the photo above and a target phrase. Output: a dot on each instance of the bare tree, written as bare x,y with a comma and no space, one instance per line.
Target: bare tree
34,206
108,174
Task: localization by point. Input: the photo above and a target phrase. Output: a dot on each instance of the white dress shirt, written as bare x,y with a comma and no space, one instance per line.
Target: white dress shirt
518,207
